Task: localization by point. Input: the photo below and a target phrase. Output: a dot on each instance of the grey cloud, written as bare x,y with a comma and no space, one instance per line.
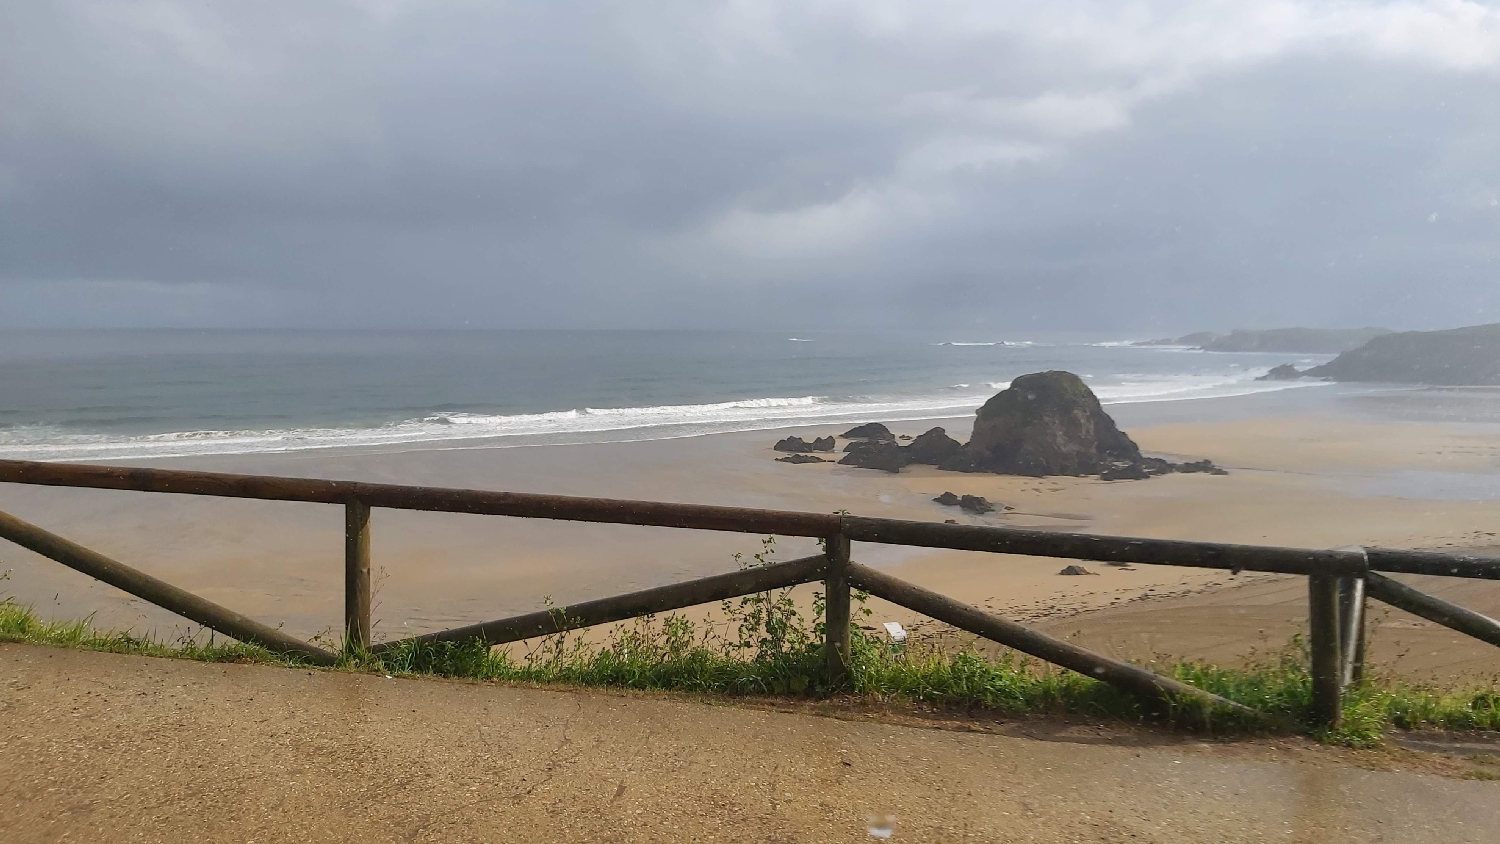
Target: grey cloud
582,164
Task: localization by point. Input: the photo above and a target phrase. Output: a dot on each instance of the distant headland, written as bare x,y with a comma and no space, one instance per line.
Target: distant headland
1310,341
1457,357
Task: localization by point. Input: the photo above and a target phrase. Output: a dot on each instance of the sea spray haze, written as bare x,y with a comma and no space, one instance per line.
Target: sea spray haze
134,394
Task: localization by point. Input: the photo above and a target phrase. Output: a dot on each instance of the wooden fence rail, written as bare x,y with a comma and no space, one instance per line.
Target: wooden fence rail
1338,579
706,590
158,592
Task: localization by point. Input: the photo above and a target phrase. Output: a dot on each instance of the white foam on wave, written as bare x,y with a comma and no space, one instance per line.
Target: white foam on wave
1012,343
800,340
40,442
658,422
1146,388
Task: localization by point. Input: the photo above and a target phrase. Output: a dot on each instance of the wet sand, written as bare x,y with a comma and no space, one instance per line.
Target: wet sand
1311,480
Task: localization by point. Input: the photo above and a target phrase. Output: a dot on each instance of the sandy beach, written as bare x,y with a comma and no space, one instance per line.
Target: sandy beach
1309,479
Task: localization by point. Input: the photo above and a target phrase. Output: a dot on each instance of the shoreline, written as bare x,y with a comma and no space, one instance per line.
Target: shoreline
156,446
1295,480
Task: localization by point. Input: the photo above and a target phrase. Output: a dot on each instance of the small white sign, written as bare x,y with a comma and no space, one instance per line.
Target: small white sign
897,632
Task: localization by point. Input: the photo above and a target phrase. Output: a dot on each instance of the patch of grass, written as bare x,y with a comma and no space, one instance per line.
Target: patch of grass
765,646
1481,774
18,623
673,653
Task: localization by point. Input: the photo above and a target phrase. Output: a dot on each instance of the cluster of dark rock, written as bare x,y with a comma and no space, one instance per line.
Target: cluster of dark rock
797,445
1046,423
873,447
1150,467
976,504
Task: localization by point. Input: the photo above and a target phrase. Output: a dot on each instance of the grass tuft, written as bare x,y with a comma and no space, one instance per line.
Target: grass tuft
18,623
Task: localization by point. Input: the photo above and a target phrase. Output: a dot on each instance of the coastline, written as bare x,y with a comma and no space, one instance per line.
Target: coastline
1300,475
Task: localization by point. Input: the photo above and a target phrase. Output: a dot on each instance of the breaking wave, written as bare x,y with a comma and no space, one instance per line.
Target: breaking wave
1012,343
47,442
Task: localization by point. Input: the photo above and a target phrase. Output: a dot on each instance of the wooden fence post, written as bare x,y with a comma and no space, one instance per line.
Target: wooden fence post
1352,628
356,575
1323,641
836,643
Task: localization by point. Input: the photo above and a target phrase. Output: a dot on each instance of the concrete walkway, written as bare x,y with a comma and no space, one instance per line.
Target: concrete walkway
99,747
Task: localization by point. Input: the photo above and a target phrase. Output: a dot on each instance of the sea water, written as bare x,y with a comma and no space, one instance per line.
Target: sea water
99,395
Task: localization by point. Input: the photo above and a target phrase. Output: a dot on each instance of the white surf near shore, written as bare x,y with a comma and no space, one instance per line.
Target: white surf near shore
42,442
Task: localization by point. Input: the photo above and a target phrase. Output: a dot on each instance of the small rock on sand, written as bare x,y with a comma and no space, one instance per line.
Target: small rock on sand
976,504
797,445
1075,570
869,431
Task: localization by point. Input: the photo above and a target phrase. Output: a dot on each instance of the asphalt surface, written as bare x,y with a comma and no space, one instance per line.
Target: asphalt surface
100,748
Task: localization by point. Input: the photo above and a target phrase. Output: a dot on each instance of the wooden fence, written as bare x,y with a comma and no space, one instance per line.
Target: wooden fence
1339,581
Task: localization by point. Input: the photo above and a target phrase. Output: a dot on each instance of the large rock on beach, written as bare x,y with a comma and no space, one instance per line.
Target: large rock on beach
795,445
933,447
875,454
823,444
869,431
1046,423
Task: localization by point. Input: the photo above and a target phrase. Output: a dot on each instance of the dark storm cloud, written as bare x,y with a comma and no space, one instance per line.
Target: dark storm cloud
1084,166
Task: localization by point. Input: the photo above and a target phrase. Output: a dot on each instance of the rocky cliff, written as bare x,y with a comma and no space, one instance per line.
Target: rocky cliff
1456,357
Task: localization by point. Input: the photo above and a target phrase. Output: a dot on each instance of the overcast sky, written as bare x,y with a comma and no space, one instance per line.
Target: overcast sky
1134,168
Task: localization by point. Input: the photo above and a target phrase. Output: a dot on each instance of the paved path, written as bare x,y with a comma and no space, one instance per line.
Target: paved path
99,747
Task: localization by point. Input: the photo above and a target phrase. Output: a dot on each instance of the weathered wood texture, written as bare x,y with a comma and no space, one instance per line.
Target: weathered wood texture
1401,596
1119,549
158,592
1123,675
691,593
987,538
836,633
398,497
1400,561
357,623
1323,641
1352,628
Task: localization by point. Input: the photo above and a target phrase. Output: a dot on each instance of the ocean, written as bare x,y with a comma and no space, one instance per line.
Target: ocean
104,395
